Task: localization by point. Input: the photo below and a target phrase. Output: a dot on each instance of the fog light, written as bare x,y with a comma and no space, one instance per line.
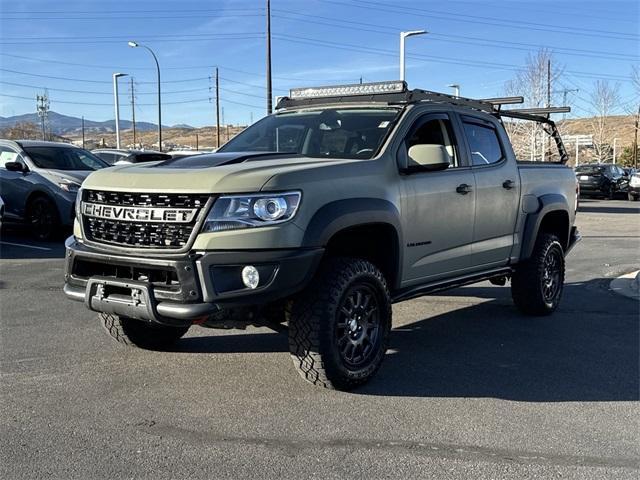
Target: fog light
250,277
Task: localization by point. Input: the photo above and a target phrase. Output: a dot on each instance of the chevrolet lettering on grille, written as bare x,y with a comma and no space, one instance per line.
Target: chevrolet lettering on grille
139,214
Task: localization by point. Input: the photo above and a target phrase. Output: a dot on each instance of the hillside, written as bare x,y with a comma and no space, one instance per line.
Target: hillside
60,124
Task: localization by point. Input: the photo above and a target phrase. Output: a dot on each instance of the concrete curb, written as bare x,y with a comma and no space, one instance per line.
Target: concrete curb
627,285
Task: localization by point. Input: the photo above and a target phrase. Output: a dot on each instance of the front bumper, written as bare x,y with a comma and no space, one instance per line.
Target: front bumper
184,289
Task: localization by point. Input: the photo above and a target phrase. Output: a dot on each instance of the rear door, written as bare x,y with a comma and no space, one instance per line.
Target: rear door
437,206
497,190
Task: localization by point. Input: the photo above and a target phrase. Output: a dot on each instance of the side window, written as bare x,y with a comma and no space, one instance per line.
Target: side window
7,155
435,131
483,142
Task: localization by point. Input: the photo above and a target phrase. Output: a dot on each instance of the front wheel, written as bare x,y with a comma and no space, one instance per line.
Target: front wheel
339,327
537,283
137,333
43,219
631,197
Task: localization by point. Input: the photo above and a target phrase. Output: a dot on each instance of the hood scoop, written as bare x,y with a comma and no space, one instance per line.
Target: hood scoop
219,159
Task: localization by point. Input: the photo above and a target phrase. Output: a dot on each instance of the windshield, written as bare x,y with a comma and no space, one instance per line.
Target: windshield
590,169
64,158
328,133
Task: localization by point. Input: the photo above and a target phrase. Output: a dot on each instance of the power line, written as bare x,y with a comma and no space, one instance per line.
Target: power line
392,31
162,39
131,17
498,22
92,92
433,58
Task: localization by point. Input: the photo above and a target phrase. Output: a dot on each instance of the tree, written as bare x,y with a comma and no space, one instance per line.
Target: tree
604,98
22,131
534,82
626,157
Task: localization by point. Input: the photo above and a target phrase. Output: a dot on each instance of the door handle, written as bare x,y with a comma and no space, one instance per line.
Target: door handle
463,189
508,184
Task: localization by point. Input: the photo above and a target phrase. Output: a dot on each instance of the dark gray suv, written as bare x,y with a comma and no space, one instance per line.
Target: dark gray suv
40,180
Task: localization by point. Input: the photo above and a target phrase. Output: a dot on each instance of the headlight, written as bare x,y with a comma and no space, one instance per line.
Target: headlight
635,181
70,187
231,212
79,203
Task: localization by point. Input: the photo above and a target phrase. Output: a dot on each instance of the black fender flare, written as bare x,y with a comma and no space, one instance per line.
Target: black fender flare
552,202
340,215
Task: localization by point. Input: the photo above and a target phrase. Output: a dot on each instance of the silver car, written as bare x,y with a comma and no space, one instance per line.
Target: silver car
39,182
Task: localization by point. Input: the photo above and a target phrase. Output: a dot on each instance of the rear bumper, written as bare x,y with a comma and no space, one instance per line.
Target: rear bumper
181,290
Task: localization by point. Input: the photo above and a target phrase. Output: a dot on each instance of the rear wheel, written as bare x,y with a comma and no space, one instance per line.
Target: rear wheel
631,197
339,327
537,283
138,333
43,218
610,193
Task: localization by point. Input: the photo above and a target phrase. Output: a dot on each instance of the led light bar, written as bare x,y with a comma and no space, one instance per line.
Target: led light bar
348,90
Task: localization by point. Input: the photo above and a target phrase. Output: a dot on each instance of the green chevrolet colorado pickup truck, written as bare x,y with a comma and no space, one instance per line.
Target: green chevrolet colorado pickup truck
322,215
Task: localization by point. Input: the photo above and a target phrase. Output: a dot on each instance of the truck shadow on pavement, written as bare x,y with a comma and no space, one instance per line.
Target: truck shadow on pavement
17,244
587,351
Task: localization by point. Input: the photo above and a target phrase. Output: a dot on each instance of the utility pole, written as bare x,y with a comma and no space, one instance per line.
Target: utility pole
564,98
635,141
217,110
544,136
197,145
83,131
269,87
133,112
42,107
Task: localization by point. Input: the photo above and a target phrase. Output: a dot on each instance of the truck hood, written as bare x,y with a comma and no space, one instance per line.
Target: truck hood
214,173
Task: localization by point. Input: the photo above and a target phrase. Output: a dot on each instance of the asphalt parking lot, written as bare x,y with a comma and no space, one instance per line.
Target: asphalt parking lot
469,388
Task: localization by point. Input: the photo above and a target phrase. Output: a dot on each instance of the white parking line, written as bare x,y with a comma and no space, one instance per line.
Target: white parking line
25,246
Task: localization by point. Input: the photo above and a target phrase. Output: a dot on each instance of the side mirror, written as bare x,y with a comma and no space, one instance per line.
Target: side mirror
15,167
429,157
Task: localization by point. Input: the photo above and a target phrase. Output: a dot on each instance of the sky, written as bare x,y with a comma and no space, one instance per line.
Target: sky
72,48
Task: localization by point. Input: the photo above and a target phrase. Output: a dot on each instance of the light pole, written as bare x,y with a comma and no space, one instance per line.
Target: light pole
117,105
133,44
403,36
456,89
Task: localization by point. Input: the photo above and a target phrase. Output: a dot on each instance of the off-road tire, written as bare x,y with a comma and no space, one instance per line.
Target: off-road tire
315,318
137,333
43,218
530,277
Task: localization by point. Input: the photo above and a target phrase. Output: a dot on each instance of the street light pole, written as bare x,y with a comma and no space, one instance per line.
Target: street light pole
456,89
117,105
134,45
269,86
403,37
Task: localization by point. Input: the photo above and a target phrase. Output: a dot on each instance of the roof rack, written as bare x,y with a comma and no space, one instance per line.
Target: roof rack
397,93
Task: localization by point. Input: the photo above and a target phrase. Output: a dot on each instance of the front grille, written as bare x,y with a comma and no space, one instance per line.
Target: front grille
149,235
160,277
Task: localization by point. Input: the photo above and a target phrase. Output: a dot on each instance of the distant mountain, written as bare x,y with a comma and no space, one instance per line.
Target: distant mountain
179,125
67,125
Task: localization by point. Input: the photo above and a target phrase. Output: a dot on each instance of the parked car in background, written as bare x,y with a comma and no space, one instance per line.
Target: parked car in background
114,156
39,182
1,210
603,180
184,153
633,192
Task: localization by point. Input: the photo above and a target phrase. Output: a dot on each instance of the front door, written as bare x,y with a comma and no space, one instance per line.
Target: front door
437,206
